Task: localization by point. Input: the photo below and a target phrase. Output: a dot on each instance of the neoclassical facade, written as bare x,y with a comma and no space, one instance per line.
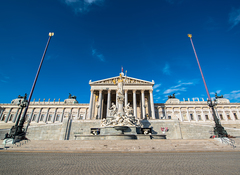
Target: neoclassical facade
138,94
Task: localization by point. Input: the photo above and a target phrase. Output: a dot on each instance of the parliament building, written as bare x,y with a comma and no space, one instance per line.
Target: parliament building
56,119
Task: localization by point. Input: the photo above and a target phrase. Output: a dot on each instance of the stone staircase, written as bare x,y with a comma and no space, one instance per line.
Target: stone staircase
121,146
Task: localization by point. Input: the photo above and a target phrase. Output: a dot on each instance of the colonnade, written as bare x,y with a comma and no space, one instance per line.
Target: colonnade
126,95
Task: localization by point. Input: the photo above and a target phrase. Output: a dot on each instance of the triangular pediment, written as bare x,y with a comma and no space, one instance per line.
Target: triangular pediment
129,80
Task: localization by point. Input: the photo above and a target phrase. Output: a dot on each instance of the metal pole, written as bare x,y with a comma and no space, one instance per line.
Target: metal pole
218,129
34,83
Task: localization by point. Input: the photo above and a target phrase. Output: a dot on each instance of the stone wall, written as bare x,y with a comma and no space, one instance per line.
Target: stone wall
69,128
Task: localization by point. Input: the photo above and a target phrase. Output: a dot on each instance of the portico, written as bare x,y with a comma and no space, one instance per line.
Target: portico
137,92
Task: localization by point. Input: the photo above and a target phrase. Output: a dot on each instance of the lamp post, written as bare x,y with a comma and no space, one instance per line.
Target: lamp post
20,127
218,129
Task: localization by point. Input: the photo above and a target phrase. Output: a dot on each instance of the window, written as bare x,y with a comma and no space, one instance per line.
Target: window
58,117
27,117
34,117
191,117
11,117
169,117
235,115
50,117
42,116
221,116
206,116
3,117
228,116
199,117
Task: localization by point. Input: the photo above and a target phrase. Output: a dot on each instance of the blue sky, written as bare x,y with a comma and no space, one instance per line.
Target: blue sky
94,38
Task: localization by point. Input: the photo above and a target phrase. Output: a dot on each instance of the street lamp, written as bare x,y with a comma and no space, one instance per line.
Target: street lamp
20,131
218,129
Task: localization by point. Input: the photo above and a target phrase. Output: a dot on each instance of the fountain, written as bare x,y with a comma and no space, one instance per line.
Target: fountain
121,124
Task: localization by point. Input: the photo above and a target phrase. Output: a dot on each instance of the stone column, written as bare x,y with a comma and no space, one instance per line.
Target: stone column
152,104
225,115
62,115
134,104
100,105
6,120
126,97
181,117
30,117
203,117
1,112
78,112
54,115
116,100
84,117
231,114
39,115
210,114
90,105
108,101
46,117
195,113
238,115
15,116
188,116
143,104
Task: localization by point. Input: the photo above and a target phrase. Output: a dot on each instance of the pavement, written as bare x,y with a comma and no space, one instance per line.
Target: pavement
120,163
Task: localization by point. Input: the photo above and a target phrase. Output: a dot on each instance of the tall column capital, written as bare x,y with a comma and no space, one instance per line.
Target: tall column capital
125,90
142,91
151,90
109,91
134,91
100,90
91,90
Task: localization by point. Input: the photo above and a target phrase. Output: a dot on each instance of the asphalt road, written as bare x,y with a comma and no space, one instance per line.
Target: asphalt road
120,163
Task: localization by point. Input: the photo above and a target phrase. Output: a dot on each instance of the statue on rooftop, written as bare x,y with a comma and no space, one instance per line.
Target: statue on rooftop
171,96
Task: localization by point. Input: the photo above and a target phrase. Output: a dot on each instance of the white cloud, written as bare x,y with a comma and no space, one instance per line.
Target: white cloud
166,69
157,90
82,6
4,78
234,95
179,87
98,55
156,86
213,93
234,17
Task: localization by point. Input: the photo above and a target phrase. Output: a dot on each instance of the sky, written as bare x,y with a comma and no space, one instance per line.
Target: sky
94,38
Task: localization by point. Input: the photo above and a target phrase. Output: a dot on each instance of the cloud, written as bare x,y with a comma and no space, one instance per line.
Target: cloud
156,86
234,95
234,17
179,87
98,55
213,93
166,69
4,78
82,6
157,90
211,24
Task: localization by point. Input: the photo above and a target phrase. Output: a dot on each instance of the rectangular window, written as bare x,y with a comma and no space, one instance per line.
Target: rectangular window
58,117
34,117
228,116
221,116
11,117
235,115
50,117
199,117
3,117
169,117
206,116
42,116
191,117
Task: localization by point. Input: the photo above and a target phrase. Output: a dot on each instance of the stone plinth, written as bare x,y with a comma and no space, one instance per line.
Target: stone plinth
110,130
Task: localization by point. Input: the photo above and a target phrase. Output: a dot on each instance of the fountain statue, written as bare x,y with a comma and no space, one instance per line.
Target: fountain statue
119,115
